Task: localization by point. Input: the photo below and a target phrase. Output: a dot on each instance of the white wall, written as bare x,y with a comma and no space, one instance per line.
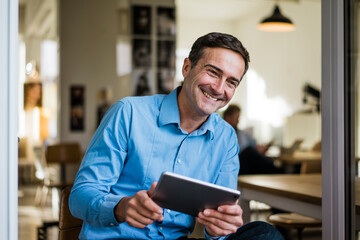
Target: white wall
285,60
88,33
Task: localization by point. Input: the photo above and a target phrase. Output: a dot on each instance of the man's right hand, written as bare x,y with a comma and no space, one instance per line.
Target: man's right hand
139,210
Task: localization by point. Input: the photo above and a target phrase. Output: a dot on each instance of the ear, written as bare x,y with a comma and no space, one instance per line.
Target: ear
186,67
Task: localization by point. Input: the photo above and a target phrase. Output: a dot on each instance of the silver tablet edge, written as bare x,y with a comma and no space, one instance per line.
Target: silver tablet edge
200,182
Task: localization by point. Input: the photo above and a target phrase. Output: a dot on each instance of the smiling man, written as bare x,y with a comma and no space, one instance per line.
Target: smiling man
141,137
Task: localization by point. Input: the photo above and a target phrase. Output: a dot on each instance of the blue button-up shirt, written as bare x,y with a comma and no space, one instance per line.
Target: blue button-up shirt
137,140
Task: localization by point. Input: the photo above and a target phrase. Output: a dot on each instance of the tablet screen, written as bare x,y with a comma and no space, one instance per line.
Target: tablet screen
190,196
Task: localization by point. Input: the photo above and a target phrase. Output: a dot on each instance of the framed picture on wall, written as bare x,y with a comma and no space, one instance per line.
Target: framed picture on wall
166,54
141,53
165,81
165,21
32,95
77,108
141,19
142,82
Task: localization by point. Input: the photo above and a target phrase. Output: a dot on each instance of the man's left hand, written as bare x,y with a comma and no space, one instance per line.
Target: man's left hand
224,220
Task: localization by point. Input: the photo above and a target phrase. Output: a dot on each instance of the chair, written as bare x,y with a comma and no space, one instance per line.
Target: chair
63,154
69,226
294,220
312,167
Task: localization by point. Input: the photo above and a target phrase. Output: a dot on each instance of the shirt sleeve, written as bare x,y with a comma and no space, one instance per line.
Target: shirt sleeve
228,173
90,198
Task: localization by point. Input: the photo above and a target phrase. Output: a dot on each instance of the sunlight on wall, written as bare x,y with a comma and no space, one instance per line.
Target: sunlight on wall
181,54
123,54
261,108
49,60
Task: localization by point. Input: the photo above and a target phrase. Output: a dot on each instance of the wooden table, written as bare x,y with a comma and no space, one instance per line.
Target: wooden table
289,192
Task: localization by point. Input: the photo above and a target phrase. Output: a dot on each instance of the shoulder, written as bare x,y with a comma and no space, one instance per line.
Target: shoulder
222,129
140,103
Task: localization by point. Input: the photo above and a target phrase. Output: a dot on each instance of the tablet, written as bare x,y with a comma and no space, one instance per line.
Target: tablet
190,196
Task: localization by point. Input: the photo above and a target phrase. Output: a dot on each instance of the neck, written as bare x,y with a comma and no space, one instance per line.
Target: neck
190,120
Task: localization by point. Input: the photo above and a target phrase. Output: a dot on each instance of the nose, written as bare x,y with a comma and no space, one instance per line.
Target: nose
219,85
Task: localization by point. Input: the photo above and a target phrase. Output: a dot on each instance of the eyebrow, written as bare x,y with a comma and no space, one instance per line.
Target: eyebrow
221,71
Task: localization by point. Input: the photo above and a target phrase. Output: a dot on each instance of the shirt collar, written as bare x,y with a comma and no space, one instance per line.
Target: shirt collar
169,113
169,110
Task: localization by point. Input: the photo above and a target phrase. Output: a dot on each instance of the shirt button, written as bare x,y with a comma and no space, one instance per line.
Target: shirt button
179,160
160,228
111,224
168,210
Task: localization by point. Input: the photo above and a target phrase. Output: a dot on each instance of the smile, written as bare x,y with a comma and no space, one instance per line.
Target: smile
208,96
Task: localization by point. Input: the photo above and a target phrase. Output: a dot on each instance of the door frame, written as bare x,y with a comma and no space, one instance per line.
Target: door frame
8,120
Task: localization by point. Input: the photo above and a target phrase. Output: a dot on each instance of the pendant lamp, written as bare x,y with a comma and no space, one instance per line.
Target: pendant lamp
276,22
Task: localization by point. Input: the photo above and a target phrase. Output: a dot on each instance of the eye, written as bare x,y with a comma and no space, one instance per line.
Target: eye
212,72
233,83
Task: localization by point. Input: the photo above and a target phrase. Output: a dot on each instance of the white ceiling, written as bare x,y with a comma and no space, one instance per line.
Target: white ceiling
224,9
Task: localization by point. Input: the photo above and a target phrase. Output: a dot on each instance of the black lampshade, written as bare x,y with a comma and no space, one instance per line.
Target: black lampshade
276,22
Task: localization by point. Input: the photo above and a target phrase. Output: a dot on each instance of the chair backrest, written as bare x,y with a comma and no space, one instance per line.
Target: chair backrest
316,147
63,153
310,167
69,226
313,166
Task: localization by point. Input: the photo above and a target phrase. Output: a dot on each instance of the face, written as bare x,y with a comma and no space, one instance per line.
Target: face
211,84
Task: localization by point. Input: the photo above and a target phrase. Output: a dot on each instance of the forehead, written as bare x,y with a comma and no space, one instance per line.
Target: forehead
225,59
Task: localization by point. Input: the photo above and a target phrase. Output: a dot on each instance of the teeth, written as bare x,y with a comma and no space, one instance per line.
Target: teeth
207,95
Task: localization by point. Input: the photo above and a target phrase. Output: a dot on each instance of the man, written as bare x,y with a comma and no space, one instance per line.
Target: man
141,137
251,155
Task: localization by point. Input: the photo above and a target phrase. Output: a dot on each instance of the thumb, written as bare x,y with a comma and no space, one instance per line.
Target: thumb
153,185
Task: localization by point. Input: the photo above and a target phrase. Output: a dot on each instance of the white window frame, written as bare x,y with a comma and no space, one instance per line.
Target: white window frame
8,120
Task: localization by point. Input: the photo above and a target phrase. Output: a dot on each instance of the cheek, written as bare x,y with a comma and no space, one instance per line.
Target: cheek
201,78
229,93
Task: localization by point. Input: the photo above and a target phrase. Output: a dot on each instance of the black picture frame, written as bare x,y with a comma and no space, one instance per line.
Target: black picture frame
166,21
141,20
141,53
142,82
166,54
77,108
165,81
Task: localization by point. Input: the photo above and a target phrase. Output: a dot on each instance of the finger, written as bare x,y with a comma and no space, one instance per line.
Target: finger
135,219
214,230
144,206
153,185
234,209
224,219
144,199
219,223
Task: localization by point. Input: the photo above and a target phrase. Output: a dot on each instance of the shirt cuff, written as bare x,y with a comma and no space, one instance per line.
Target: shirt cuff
208,237
106,215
